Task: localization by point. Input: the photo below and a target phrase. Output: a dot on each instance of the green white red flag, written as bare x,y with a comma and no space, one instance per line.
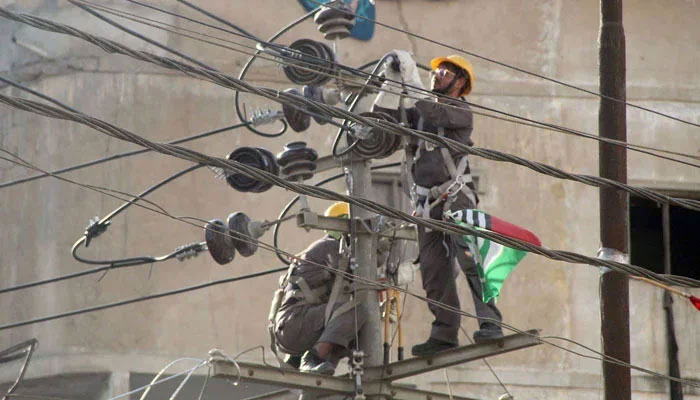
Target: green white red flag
494,261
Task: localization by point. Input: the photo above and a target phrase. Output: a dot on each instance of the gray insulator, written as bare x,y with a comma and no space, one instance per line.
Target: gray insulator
241,237
220,245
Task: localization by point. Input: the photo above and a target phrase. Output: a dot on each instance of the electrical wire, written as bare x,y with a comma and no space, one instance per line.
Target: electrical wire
266,177
285,210
120,155
350,276
233,83
399,85
540,76
101,225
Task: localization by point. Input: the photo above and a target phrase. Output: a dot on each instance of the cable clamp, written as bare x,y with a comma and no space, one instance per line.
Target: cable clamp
94,229
610,254
356,371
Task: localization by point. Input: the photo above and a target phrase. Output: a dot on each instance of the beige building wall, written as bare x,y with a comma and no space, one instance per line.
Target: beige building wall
42,219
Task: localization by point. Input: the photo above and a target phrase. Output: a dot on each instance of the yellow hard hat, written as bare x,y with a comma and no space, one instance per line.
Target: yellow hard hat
461,62
338,209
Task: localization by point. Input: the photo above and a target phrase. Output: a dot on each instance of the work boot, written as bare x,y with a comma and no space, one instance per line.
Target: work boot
431,347
310,362
489,331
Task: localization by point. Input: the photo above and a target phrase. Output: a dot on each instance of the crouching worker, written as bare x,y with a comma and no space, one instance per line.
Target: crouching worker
312,318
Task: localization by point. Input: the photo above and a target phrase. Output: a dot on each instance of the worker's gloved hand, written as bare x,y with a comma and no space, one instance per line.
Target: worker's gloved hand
401,75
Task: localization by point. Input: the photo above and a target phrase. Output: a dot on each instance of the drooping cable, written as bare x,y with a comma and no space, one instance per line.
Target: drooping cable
603,358
233,83
101,225
255,173
120,155
540,76
517,119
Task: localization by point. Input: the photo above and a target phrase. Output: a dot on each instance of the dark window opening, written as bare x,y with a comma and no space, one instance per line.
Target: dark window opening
646,238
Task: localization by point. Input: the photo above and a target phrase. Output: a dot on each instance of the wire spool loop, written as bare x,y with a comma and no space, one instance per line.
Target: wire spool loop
316,62
254,157
373,142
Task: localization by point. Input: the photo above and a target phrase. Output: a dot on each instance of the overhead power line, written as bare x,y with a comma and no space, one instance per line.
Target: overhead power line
277,96
348,275
503,64
301,64
352,277
266,177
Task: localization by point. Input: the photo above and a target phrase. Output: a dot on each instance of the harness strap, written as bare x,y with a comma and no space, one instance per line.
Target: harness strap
349,305
310,295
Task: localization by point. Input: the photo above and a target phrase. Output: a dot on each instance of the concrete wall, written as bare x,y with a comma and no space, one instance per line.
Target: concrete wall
41,220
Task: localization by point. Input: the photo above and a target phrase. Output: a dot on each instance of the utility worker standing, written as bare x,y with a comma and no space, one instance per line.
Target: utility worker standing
439,180
310,315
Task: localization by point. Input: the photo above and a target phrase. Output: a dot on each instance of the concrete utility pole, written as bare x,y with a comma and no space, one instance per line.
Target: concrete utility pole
366,259
614,204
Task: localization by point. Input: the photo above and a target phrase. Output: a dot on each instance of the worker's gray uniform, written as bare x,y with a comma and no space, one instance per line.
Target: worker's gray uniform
299,323
438,251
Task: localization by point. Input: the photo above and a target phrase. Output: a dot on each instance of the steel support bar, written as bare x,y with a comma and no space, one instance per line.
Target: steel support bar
443,359
318,384
287,378
310,220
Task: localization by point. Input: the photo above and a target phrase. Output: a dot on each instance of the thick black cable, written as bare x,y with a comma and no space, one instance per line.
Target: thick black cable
116,156
233,83
139,299
351,108
249,63
509,66
285,210
140,36
219,19
227,81
264,176
350,276
104,222
528,121
236,84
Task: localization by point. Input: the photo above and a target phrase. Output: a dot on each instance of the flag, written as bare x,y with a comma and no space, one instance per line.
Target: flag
494,262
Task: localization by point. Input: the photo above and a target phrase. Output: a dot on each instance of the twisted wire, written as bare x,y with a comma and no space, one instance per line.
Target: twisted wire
524,71
443,226
299,101
308,66
348,275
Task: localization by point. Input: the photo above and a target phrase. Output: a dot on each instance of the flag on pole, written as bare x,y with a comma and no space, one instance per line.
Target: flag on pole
494,262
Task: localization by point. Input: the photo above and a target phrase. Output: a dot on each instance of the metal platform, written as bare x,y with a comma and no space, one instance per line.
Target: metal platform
376,381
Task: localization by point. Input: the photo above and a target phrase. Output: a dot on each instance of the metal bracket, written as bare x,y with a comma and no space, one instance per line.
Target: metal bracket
310,220
444,359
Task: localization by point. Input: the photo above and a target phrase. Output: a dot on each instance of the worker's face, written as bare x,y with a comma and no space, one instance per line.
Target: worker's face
444,75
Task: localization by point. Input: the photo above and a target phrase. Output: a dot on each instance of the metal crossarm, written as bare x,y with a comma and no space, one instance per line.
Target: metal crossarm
310,220
288,378
443,359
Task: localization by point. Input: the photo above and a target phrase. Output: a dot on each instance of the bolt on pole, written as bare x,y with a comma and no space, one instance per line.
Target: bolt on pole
614,204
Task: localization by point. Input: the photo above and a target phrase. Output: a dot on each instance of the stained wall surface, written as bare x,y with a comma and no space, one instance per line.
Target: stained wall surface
42,219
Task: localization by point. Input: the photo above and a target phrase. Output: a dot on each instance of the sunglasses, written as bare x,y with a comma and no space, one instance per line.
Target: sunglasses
443,72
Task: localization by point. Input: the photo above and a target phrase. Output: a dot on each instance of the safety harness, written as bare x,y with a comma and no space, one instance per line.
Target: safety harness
425,198
293,286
